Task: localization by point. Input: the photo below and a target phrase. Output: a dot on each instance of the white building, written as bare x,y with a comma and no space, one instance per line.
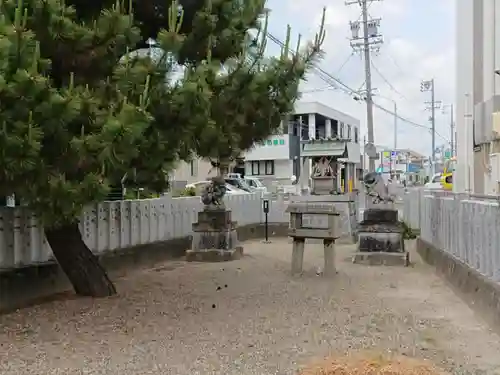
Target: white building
477,96
189,172
279,157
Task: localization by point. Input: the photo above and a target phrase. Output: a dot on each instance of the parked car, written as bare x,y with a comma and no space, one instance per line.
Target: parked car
255,184
200,185
447,176
435,182
238,183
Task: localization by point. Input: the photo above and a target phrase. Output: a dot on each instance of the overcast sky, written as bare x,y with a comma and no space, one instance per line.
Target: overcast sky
418,44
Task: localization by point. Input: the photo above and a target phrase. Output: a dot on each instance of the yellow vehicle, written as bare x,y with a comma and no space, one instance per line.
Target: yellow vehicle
447,176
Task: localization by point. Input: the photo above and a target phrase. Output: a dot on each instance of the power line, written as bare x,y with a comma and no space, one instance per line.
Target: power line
318,89
344,63
387,82
410,122
396,64
337,84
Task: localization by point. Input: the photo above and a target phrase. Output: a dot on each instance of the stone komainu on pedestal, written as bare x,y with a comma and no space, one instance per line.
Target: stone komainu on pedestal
380,230
214,237
380,234
213,194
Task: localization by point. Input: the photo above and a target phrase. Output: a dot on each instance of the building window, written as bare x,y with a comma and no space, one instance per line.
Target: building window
269,167
356,135
348,131
255,168
341,130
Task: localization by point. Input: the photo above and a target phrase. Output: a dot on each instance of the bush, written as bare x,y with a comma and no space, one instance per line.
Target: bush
188,192
132,194
408,233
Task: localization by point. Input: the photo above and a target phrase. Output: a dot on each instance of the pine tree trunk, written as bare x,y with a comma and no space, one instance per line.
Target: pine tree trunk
78,262
223,167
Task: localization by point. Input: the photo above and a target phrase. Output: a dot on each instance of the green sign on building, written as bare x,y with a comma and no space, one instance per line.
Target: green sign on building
273,142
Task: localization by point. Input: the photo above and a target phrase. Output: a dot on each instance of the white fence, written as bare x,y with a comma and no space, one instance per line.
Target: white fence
465,226
108,226
113,225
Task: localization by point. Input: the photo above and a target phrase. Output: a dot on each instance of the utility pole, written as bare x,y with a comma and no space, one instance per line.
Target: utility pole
395,126
452,129
428,86
364,154
369,41
452,132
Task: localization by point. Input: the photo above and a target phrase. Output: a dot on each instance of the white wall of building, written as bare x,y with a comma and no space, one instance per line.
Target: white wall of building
196,170
463,180
477,58
275,148
316,107
269,169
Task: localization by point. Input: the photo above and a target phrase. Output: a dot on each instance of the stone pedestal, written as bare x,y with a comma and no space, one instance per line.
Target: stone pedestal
381,238
323,185
214,237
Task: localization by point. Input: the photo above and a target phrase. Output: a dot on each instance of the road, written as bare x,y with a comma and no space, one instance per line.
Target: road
250,317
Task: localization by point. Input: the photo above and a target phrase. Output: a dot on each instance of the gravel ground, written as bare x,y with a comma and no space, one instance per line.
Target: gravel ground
249,317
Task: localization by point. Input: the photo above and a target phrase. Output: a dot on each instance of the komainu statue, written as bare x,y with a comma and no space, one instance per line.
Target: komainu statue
376,188
213,194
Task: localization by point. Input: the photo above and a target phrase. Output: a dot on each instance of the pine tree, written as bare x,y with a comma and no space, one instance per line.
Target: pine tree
76,116
231,20
79,111
254,93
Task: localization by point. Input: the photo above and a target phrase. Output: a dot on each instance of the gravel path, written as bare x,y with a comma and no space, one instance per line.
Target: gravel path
249,317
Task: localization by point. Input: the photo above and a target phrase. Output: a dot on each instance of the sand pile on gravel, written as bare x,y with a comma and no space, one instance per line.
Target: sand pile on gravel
372,365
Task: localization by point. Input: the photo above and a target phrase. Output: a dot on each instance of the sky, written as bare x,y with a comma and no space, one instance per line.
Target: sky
418,45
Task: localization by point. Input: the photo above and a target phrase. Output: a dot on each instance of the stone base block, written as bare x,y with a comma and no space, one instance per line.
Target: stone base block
380,242
214,255
382,259
380,215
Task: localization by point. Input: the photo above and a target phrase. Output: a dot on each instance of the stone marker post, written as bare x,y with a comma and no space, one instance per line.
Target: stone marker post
299,233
